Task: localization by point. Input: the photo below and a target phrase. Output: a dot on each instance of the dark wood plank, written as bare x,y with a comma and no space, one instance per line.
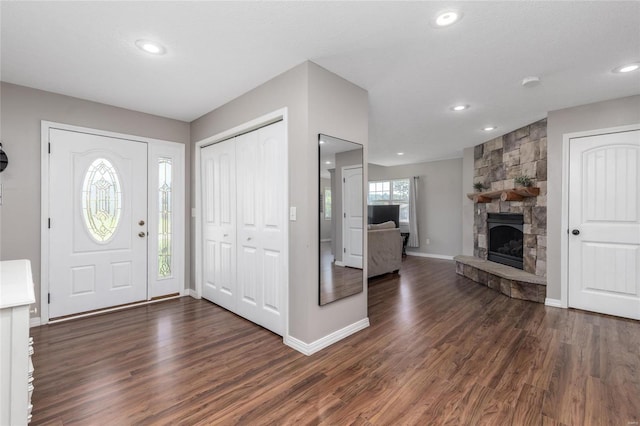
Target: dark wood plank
441,349
337,282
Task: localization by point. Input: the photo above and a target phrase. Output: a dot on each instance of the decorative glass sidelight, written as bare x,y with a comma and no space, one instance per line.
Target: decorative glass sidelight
165,248
101,200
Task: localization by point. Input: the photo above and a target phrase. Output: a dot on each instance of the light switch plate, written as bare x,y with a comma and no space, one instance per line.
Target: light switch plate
292,214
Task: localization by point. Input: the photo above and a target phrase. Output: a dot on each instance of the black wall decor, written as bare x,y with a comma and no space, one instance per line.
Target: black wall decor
4,161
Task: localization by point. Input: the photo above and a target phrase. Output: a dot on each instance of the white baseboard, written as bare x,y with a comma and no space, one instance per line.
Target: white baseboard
192,293
434,256
338,263
330,339
34,322
327,240
556,303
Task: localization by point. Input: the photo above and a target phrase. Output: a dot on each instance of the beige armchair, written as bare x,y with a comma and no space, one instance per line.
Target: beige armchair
384,249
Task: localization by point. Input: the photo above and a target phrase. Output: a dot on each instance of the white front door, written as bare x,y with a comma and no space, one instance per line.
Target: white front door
352,217
98,215
262,180
218,166
604,223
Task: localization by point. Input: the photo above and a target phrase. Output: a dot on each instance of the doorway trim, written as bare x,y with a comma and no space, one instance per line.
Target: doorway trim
343,216
564,226
45,127
262,121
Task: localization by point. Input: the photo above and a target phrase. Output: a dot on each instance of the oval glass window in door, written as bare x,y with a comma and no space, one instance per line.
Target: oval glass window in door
101,200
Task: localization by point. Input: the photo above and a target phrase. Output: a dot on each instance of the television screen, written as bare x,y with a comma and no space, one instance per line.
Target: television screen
383,213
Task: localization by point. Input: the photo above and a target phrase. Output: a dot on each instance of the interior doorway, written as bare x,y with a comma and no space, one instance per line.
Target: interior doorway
604,223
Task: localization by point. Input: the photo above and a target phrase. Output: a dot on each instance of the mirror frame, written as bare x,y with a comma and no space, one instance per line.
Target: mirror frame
320,212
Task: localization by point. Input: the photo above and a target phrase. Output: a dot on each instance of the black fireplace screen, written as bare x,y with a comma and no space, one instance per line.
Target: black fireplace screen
505,239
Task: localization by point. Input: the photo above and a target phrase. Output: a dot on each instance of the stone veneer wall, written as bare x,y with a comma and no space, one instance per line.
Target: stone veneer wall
496,164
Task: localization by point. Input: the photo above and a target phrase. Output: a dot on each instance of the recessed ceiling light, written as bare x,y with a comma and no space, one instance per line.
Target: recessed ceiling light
459,107
321,142
151,47
327,162
448,17
489,128
626,68
400,153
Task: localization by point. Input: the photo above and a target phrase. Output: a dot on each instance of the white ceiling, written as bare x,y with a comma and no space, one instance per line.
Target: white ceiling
412,71
329,147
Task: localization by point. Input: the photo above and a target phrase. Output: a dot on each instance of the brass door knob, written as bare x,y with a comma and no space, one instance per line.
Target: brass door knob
141,234
141,223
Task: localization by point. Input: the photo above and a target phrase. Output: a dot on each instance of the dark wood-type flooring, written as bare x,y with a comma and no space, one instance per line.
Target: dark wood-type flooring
336,282
440,350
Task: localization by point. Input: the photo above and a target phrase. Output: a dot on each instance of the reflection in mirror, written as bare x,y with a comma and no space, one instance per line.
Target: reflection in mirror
341,219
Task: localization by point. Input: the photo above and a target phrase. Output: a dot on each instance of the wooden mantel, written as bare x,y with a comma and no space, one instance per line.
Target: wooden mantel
513,194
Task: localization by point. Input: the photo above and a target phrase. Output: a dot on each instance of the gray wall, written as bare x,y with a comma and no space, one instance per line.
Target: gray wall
325,225
317,102
467,204
600,115
439,202
22,110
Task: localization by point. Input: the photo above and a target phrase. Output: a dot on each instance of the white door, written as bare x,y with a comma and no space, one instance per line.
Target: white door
261,189
218,166
604,224
98,199
352,216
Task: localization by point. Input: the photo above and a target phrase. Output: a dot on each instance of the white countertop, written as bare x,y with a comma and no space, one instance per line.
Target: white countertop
16,283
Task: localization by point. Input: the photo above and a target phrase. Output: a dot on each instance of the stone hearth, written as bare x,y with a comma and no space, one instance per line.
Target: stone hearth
509,281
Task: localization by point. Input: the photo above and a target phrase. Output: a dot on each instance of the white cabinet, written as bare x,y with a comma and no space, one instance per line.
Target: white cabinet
16,347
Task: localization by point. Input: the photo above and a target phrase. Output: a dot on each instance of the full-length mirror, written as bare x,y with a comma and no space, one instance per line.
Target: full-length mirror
341,218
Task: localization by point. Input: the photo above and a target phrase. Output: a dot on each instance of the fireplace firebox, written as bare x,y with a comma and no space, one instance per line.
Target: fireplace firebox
505,239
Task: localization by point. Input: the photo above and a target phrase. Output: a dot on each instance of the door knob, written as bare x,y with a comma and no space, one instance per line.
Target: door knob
141,223
141,234
576,232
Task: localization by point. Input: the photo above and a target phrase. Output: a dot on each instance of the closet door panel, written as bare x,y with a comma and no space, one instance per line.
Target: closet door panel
247,278
226,271
272,144
227,268
210,284
272,281
273,171
219,224
249,172
209,221
261,190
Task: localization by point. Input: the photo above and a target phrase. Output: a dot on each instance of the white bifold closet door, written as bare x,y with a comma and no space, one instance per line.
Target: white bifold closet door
219,223
244,241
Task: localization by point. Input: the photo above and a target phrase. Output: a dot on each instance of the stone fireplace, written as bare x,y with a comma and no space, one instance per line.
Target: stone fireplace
496,164
510,230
